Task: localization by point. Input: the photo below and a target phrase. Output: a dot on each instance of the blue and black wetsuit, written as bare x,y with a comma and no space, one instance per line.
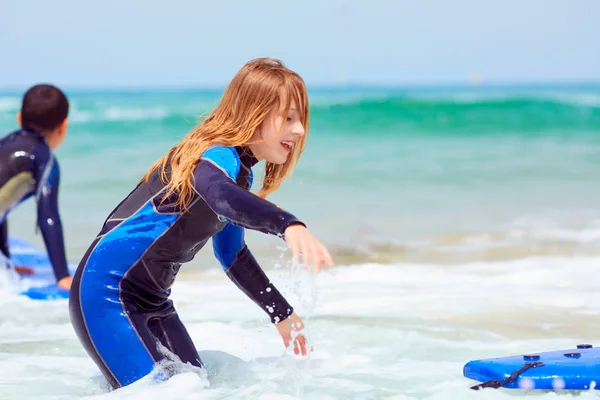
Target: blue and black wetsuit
28,168
119,302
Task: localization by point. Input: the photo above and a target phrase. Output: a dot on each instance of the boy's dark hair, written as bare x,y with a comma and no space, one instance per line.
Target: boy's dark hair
44,108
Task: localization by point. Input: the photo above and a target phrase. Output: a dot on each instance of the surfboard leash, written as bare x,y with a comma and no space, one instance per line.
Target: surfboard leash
497,384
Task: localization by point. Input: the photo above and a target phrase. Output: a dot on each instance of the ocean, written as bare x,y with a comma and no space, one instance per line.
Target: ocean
464,222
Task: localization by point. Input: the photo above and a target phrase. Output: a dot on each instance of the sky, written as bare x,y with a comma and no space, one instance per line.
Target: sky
121,43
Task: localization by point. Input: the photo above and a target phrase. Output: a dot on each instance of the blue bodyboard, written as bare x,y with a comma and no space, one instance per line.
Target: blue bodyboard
571,369
42,284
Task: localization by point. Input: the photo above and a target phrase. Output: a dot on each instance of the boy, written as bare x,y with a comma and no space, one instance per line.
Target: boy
28,168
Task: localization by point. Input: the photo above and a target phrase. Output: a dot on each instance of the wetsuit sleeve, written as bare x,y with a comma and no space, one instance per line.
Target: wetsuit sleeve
49,222
244,271
215,181
4,239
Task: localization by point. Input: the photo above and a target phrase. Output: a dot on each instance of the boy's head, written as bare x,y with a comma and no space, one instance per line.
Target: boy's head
44,110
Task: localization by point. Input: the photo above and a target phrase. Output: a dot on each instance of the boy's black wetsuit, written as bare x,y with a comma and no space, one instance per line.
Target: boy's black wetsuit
28,168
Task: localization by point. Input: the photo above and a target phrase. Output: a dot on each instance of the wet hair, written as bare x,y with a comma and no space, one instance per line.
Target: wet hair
260,87
44,108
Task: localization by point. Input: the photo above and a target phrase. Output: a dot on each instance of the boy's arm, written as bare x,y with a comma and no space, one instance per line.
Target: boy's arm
4,239
47,183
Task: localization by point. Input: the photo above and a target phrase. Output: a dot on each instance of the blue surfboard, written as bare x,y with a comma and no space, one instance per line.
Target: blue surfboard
42,284
571,369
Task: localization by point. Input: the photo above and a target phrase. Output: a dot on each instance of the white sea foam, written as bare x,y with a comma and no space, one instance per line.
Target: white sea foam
379,332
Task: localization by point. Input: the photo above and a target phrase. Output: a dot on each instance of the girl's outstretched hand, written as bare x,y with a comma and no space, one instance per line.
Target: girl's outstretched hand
293,324
303,242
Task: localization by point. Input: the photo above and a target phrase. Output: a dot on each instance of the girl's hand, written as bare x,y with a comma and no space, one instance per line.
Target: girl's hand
291,324
303,242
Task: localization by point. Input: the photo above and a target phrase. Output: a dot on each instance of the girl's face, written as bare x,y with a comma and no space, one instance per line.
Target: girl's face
273,145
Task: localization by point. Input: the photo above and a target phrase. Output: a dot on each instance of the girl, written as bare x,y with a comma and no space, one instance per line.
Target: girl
120,306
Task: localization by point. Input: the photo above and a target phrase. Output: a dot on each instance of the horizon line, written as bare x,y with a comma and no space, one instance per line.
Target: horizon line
326,86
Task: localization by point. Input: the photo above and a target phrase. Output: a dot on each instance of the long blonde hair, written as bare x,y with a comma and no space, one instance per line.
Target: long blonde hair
261,86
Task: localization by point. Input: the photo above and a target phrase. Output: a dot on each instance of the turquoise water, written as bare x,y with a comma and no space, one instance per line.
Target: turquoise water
465,223
383,166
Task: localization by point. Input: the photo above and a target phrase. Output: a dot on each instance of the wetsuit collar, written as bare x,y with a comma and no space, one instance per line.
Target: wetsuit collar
246,156
28,131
